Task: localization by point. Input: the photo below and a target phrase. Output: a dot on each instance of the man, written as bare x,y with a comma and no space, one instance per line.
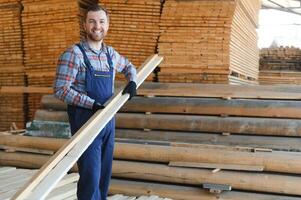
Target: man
85,81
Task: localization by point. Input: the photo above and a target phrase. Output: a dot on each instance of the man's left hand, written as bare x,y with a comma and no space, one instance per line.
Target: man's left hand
130,88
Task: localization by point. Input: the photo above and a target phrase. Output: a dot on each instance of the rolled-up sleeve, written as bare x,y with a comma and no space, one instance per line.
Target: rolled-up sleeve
67,70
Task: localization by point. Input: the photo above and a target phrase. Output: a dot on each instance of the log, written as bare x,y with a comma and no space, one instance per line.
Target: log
287,162
52,144
256,126
49,102
271,142
261,182
48,115
134,187
206,106
237,125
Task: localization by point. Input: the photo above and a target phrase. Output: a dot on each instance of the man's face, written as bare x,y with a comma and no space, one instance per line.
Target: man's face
96,25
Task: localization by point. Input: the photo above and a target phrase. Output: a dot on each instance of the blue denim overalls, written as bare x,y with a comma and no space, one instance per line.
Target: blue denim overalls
95,165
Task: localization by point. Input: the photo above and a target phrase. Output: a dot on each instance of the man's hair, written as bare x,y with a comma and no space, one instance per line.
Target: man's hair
95,8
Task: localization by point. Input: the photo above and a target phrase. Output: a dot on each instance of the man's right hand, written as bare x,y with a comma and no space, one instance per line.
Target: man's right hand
97,106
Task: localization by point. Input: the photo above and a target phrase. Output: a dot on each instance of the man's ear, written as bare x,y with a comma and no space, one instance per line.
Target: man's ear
84,26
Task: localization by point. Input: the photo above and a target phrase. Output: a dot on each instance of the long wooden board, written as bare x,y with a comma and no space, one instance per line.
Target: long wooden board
193,90
207,106
42,183
196,123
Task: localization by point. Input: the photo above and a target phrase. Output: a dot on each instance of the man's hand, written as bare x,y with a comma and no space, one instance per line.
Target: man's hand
130,88
97,106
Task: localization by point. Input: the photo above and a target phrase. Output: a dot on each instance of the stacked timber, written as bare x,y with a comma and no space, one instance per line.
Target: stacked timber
14,179
207,135
280,66
244,53
49,27
209,41
178,163
134,28
11,63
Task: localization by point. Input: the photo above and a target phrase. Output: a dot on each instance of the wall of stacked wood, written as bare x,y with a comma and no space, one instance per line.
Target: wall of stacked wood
11,63
244,53
176,139
280,66
209,41
49,27
134,29
200,40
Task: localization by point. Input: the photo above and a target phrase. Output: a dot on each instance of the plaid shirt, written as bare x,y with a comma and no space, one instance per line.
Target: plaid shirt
70,85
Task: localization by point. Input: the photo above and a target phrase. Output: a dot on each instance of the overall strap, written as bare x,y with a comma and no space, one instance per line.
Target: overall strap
86,60
109,59
88,63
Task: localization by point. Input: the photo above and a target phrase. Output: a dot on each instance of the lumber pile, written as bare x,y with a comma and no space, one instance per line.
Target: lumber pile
49,27
244,53
209,41
280,66
255,116
174,163
134,28
210,135
11,64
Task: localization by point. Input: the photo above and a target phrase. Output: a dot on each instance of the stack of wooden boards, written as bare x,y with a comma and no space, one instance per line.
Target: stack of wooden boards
49,27
134,28
11,64
280,66
13,179
202,41
209,41
209,135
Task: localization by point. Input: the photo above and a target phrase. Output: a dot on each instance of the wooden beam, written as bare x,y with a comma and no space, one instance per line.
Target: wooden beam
257,168
261,182
272,142
238,125
42,183
249,181
135,187
206,106
277,161
30,89
192,90
214,106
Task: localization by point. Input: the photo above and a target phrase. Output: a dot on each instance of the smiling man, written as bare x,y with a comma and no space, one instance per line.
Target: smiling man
85,81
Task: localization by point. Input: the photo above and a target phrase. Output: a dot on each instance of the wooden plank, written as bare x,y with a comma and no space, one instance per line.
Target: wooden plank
196,90
207,106
286,162
6,169
22,149
259,182
64,159
63,191
235,125
136,187
166,154
218,166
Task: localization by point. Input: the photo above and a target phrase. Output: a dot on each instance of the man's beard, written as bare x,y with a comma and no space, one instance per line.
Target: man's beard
94,37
